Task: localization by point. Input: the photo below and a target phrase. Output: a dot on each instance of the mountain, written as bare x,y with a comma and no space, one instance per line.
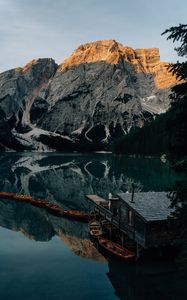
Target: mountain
101,90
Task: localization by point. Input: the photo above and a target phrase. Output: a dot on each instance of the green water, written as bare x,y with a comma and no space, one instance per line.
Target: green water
46,257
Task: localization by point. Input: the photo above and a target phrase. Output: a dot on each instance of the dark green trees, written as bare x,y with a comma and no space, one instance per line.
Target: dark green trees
167,134
178,125
151,140
179,93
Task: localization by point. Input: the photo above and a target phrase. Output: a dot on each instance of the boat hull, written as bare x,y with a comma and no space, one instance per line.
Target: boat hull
77,215
116,250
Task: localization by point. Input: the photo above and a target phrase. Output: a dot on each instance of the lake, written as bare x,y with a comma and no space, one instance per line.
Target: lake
46,257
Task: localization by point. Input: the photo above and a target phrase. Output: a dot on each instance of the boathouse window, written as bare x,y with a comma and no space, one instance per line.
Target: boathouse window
130,218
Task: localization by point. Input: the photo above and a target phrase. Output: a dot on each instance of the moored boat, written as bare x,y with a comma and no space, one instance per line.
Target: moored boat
52,208
95,228
18,197
77,214
116,250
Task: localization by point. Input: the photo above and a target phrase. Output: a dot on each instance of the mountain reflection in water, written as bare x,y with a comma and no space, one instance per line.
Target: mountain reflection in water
36,224
65,179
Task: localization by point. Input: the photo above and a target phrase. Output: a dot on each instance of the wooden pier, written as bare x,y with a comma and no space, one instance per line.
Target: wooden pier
102,208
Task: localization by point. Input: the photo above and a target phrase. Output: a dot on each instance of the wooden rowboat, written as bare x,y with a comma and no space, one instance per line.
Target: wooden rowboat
95,228
15,196
21,197
77,214
52,208
116,250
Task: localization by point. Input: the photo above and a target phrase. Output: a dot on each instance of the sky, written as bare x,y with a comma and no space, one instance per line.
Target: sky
32,29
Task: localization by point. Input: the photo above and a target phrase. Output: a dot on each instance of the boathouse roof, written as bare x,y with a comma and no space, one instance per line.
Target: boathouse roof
151,206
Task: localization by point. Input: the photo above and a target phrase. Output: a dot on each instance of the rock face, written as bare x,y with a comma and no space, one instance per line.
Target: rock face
101,90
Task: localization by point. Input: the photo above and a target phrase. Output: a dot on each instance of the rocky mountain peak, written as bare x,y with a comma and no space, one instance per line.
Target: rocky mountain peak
105,50
112,52
46,66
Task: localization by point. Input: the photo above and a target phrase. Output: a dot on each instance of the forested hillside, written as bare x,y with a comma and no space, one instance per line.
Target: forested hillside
155,138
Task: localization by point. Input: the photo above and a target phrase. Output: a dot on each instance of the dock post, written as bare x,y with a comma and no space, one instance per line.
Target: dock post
137,251
123,239
111,227
111,231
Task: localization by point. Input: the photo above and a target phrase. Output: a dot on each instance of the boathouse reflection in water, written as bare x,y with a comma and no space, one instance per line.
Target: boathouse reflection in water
151,280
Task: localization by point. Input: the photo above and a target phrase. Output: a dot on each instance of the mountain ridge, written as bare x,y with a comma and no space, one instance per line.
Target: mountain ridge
101,89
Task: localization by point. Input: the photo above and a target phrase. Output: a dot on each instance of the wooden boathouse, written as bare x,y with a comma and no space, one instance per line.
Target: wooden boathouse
142,217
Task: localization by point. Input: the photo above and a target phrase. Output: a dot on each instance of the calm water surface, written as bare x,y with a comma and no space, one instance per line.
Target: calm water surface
45,257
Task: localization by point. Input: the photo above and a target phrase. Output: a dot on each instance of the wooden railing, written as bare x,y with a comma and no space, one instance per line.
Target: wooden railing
122,226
